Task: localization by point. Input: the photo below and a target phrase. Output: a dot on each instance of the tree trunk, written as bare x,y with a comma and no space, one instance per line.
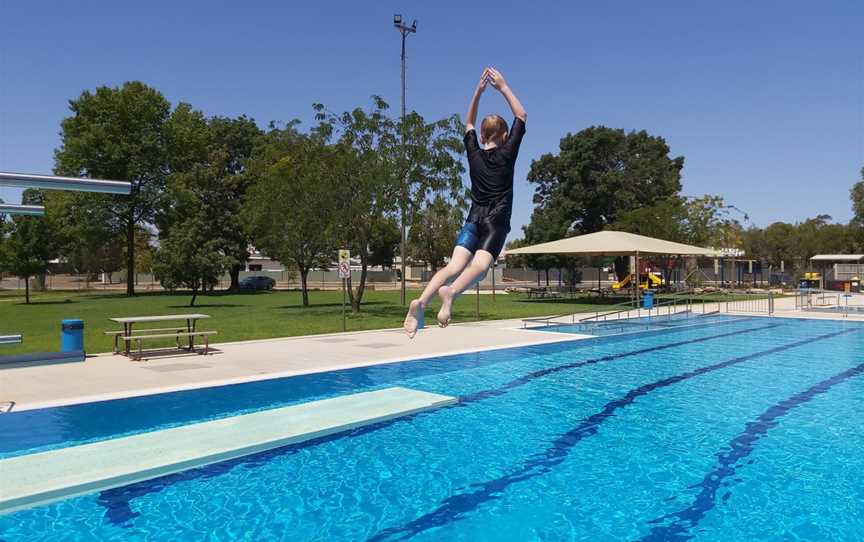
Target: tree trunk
234,272
130,256
355,302
304,289
27,290
547,277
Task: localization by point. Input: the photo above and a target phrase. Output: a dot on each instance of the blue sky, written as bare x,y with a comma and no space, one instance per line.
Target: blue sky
764,99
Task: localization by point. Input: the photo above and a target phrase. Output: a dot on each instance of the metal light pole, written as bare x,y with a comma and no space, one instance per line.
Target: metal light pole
404,30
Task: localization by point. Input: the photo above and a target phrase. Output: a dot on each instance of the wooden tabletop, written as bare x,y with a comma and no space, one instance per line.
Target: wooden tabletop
135,319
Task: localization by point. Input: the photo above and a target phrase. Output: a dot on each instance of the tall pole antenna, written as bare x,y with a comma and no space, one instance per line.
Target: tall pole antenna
404,30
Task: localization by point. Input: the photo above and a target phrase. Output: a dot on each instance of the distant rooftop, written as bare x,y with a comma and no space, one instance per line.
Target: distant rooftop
838,258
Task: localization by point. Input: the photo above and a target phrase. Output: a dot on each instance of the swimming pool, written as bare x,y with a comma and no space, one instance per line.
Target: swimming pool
744,429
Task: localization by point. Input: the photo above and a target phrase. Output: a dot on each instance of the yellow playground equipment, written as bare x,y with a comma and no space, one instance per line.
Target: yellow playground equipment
649,280
811,280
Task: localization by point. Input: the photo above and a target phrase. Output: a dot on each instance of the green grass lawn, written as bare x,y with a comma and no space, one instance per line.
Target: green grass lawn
241,316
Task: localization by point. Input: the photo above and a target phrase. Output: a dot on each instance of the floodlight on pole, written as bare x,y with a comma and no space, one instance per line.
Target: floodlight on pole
404,30
54,182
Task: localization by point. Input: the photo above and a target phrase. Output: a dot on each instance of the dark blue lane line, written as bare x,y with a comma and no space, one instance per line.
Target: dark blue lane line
678,525
117,501
458,506
522,380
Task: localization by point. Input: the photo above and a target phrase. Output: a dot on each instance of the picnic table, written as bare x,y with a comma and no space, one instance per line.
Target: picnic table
542,293
128,334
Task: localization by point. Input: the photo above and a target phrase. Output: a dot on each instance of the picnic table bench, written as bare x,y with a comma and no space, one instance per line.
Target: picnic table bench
542,293
130,334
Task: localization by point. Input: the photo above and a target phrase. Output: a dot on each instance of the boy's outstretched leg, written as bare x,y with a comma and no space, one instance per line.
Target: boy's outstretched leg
474,272
460,258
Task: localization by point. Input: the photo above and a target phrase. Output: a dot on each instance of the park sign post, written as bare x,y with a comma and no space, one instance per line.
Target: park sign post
344,274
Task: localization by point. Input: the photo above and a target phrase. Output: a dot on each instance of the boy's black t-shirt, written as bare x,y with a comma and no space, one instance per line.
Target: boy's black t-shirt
492,175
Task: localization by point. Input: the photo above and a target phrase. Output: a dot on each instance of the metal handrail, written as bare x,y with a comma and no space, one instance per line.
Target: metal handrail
752,303
572,315
631,304
686,297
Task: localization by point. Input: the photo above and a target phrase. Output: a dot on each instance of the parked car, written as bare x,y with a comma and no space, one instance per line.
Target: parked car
257,283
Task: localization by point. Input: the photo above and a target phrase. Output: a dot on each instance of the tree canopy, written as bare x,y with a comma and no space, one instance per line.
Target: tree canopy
119,133
29,245
602,172
291,210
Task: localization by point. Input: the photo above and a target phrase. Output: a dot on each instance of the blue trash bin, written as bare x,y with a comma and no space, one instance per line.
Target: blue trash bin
72,335
648,299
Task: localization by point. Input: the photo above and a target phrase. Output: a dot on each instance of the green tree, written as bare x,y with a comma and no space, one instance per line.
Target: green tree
780,241
209,176
667,219
433,231
547,224
384,242
857,223
857,195
377,178
119,133
30,244
190,257
291,210
87,235
601,172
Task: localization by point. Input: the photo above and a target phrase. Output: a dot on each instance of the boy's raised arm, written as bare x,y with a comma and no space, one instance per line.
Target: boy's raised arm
499,83
471,116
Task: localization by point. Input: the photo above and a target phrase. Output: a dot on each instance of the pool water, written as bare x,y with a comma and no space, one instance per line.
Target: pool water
605,328
739,429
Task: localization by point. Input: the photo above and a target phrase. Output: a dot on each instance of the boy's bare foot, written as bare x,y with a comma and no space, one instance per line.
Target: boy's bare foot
446,295
413,318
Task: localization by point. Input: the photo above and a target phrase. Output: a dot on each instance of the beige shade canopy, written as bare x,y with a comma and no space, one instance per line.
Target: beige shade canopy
613,243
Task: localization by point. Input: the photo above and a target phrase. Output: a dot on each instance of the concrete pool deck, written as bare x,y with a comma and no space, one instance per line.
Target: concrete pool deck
108,376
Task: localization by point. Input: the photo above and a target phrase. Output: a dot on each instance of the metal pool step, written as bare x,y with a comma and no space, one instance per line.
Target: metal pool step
40,478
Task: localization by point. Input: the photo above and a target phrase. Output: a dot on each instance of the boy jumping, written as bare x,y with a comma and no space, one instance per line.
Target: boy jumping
482,237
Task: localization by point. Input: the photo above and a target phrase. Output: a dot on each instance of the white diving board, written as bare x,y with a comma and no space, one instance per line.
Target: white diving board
40,478
26,210
55,182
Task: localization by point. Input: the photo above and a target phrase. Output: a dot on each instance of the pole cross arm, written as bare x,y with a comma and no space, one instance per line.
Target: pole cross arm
53,182
28,210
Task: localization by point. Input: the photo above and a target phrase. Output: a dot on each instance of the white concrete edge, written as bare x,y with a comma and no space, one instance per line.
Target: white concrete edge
127,394
548,337
314,336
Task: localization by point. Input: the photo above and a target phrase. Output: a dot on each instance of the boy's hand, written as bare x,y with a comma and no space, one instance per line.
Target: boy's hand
484,79
495,78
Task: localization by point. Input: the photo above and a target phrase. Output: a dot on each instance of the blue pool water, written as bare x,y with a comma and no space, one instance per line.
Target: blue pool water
744,429
605,328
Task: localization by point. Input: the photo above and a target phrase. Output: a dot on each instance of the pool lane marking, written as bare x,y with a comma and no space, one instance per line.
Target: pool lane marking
116,501
737,449
465,400
457,506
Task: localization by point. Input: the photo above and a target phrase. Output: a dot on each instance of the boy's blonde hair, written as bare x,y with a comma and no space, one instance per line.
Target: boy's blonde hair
493,128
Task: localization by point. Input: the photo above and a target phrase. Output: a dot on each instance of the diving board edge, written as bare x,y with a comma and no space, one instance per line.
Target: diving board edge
17,495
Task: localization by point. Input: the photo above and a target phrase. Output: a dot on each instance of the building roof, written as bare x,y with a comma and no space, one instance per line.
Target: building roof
838,258
612,243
